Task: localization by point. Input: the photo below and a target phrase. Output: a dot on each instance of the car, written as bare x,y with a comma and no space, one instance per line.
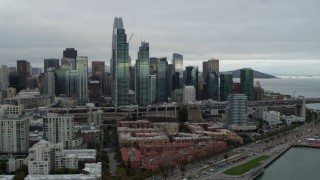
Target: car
211,170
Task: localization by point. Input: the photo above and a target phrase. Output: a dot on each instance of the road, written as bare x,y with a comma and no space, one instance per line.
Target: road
111,153
196,170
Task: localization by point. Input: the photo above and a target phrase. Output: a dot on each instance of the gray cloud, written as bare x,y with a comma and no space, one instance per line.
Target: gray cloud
228,30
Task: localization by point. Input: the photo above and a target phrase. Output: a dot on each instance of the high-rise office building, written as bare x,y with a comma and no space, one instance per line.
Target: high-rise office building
204,69
98,72
82,68
132,78
162,89
70,53
212,86
50,63
213,65
177,60
23,69
226,85
32,82
95,89
153,65
50,82
152,88
14,134
246,82
170,75
189,94
4,77
58,127
192,77
120,64
71,83
237,111
142,75
14,79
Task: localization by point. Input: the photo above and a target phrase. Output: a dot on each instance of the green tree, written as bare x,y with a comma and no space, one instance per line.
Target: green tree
165,175
183,170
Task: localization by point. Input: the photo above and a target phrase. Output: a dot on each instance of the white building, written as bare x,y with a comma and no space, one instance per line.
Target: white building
189,94
58,128
95,117
45,157
14,136
272,117
12,109
82,68
94,171
177,96
49,82
290,119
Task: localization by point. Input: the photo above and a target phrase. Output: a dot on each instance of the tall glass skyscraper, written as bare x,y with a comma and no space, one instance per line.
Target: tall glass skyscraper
237,111
120,64
226,84
142,75
82,68
162,90
246,82
177,60
71,83
192,77
212,86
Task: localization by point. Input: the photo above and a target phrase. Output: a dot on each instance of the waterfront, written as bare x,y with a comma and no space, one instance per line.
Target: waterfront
307,87
297,163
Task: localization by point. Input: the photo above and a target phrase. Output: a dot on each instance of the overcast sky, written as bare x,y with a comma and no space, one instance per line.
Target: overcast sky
272,36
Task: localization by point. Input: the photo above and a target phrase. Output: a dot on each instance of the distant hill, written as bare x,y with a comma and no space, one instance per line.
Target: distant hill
256,74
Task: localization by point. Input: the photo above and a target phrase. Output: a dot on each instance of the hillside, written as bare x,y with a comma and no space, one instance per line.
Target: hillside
256,75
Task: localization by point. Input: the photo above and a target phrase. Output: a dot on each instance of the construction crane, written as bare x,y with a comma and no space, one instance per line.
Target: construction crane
130,37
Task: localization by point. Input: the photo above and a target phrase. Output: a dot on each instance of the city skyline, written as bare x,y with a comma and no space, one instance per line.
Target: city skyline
258,32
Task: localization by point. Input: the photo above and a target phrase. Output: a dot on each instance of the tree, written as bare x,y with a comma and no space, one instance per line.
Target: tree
285,136
272,140
165,175
226,157
183,170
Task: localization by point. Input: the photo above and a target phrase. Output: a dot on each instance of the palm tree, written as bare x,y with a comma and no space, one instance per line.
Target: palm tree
182,169
165,175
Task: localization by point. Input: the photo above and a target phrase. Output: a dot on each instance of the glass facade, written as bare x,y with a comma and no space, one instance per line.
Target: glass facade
82,68
246,82
212,86
237,111
142,75
152,88
178,68
226,85
192,77
162,90
120,64
71,83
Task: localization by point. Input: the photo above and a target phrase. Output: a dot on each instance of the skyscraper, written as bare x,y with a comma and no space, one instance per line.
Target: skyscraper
153,65
23,69
49,82
70,53
237,111
71,83
120,64
192,77
82,68
50,63
177,60
204,69
226,85
170,75
162,89
98,72
212,88
246,82
142,75
213,65
4,77
152,89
